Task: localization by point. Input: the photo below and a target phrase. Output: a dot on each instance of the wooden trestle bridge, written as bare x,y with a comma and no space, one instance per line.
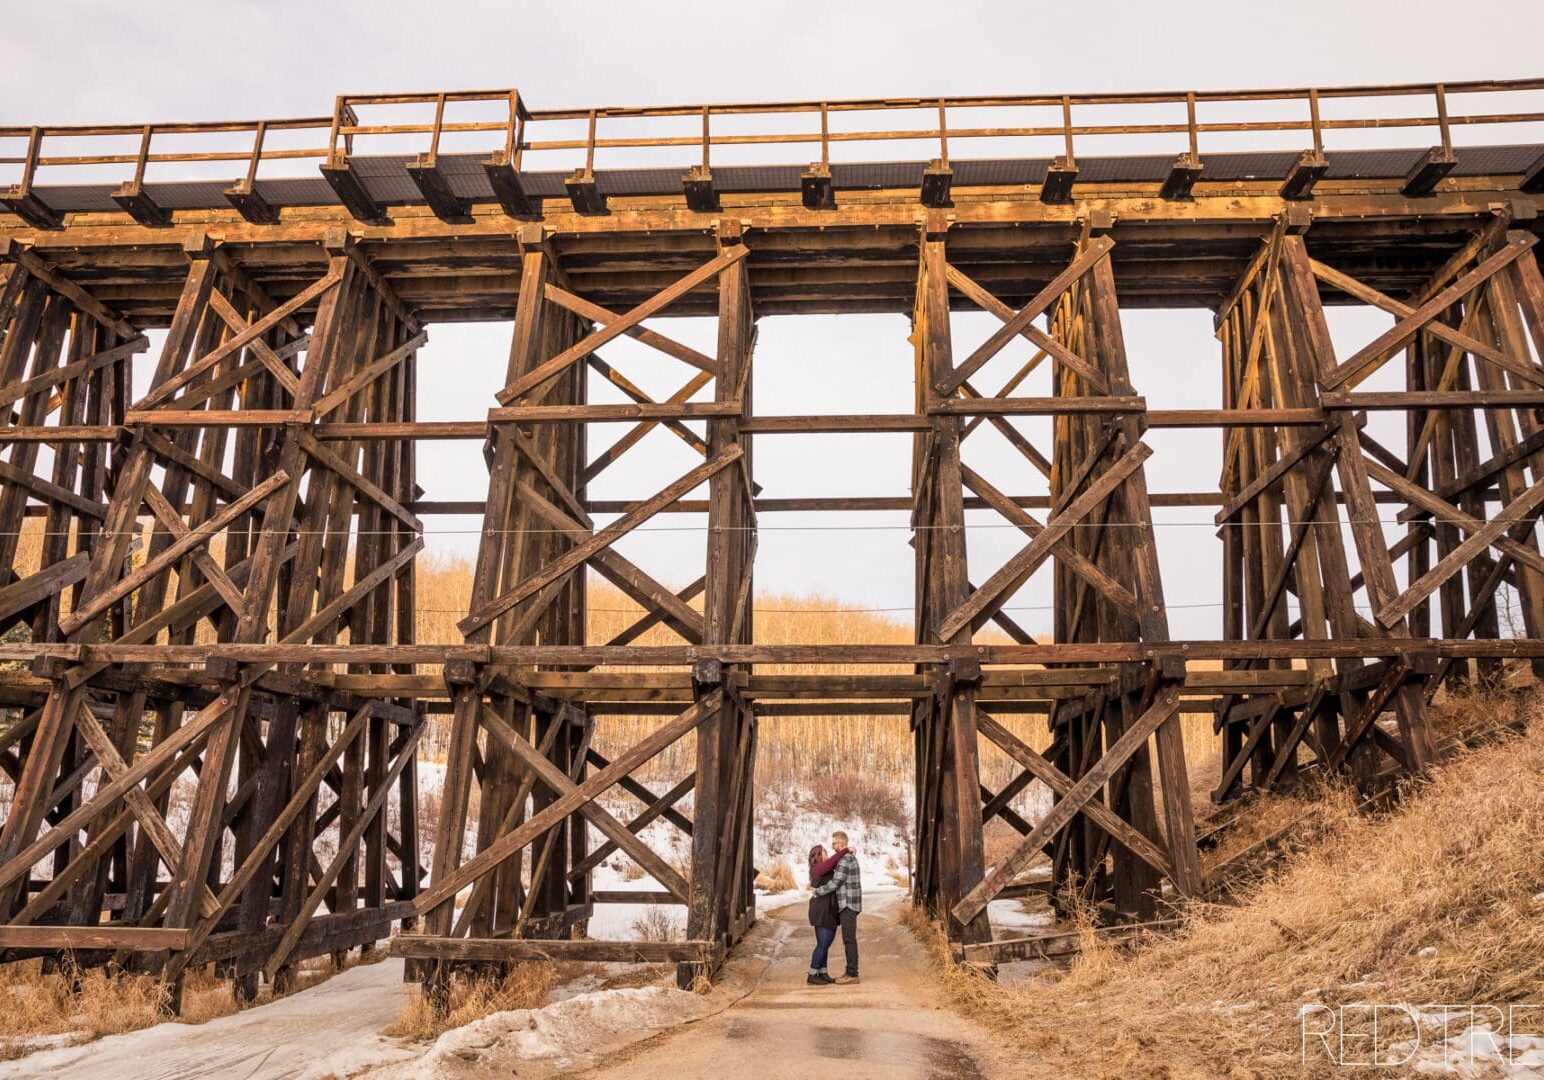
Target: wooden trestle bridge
219,602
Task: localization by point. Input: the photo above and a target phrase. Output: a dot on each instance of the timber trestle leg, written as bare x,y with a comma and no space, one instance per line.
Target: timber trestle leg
213,457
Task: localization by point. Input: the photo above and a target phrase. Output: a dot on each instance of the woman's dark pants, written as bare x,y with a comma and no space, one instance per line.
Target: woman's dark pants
823,940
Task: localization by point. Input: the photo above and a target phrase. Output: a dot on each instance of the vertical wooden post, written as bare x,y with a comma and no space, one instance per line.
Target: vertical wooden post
1135,510
1372,550
717,828
944,584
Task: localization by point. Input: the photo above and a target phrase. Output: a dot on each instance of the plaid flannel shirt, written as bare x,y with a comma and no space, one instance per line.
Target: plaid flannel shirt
847,882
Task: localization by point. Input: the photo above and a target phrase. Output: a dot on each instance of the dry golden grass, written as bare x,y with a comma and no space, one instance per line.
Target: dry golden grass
1455,869
81,1005
94,1003
777,878
658,922
527,986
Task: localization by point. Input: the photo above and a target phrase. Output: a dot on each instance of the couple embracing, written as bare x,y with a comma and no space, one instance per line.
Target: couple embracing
838,887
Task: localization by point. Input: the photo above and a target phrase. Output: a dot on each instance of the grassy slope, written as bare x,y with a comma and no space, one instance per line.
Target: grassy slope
1457,868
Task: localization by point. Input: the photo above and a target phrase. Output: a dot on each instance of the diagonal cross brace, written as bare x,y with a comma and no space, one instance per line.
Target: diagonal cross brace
264,352
1096,250
982,298
1456,337
1016,569
163,753
560,784
1136,841
257,858
195,537
597,314
138,801
163,392
659,808
473,907
1374,355
581,553
172,521
1068,806
1523,508
619,570
346,851
1074,559
560,363
505,846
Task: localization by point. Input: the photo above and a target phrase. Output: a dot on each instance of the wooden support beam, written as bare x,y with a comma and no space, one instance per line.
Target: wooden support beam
701,195
27,204
584,193
509,187
1428,171
434,186
339,172
250,204
140,205
815,189
1060,176
1182,178
509,950
1305,173
937,181
1533,177
1056,946
81,938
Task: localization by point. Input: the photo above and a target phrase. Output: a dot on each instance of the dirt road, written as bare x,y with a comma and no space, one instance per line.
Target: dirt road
771,1025
759,1020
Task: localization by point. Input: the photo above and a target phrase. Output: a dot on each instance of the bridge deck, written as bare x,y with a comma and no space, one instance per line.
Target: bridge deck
859,256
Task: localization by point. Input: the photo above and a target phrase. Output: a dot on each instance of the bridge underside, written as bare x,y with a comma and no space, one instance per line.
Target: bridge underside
857,256
208,586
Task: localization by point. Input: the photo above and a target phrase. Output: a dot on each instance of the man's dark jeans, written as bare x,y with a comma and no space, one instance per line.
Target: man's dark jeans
849,919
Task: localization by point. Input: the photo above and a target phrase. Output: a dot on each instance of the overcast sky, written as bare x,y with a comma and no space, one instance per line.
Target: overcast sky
112,61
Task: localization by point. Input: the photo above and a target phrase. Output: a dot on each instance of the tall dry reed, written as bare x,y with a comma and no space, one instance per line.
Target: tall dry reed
787,747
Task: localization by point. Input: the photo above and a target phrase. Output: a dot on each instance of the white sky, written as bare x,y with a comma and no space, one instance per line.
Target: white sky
75,62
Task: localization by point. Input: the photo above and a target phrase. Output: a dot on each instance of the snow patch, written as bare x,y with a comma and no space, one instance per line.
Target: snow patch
560,1033
1010,915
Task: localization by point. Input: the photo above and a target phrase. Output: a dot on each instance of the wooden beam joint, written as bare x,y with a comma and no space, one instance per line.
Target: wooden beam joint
339,172
1428,171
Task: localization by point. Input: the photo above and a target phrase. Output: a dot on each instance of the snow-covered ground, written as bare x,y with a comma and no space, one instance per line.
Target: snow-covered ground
557,1034
786,828
331,1029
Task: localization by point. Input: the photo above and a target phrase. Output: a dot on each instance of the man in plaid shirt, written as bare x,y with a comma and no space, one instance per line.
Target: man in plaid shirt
847,882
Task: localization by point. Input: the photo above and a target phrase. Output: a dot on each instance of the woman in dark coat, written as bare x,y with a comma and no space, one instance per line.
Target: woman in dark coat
823,915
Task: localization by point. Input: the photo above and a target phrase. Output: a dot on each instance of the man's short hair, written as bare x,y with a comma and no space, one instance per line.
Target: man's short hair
839,836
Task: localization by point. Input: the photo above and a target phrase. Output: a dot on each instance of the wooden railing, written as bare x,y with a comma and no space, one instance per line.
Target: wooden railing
518,131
